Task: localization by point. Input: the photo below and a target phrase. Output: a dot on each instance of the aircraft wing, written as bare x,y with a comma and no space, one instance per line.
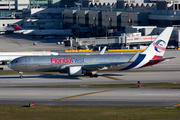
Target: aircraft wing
100,66
94,66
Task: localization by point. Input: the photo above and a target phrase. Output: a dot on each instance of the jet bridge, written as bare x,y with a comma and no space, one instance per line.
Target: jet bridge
132,40
98,41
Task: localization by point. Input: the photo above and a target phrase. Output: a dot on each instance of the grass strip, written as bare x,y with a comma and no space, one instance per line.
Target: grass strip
144,85
16,112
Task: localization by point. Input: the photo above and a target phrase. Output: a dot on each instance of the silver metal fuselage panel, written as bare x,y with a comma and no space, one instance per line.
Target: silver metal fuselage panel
59,62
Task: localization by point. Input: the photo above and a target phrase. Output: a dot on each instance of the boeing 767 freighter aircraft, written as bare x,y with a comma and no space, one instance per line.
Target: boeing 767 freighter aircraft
76,65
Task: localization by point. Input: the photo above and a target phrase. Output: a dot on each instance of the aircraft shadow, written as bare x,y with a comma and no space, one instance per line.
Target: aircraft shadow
112,74
55,76
41,76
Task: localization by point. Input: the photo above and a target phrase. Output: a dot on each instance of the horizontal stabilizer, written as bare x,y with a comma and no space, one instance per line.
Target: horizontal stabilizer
155,61
162,59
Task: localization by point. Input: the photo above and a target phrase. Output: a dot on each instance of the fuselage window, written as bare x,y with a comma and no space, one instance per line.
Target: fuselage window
14,61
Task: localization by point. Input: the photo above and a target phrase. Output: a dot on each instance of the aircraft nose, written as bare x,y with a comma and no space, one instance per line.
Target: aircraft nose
9,65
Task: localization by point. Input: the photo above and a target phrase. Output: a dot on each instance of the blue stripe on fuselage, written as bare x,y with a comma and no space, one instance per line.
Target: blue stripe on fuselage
139,59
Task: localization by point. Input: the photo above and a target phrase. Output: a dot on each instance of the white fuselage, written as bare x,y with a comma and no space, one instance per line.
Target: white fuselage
67,32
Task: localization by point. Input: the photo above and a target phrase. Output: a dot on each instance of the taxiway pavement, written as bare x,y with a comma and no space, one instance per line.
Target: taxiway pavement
104,78
92,96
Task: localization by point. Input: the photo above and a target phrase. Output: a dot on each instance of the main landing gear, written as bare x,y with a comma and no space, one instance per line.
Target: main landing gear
91,75
21,75
4,63
94,75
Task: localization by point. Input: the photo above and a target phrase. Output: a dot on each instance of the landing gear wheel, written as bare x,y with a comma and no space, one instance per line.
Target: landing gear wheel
91,75
21,76
95,75
4,63
86,74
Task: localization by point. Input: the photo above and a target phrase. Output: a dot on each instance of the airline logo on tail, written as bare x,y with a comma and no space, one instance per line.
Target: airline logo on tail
16,27
159,46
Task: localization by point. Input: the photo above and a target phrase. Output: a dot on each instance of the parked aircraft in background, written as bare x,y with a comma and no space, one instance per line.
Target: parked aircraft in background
6,29
76,65
9,56
66,32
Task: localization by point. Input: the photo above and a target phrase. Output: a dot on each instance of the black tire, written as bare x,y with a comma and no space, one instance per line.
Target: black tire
91,75
96,75
86,74
21,77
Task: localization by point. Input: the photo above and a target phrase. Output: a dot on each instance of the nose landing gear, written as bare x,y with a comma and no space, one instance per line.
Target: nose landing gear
21,75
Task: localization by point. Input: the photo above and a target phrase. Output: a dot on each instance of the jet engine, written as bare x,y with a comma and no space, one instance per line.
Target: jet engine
75,70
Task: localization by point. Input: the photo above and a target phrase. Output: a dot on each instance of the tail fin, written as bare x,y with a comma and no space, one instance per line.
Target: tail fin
158,46
16,27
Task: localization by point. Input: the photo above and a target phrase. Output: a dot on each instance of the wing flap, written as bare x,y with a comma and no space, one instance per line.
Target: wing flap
99,66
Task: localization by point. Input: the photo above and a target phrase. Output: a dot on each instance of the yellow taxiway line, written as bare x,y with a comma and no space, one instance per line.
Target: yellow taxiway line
123,50
112,78
78,50
65,98
176,105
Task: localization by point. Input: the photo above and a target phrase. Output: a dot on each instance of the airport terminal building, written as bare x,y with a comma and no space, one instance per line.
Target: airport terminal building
117,15
122,13
33,13
113,14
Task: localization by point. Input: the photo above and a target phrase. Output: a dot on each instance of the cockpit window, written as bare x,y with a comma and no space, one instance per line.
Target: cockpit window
14,61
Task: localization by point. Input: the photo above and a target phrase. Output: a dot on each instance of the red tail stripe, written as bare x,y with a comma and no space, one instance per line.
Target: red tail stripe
159,47
157,57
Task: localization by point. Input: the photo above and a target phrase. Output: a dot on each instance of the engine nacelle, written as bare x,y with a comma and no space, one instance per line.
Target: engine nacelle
75,70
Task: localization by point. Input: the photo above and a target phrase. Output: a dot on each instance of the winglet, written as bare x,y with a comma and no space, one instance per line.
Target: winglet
103,50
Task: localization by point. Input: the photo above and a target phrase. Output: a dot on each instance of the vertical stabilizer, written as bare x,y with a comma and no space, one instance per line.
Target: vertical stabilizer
16,27
158,46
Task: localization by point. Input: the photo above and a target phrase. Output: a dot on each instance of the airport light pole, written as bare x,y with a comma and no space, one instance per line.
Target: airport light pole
128,17
106,27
